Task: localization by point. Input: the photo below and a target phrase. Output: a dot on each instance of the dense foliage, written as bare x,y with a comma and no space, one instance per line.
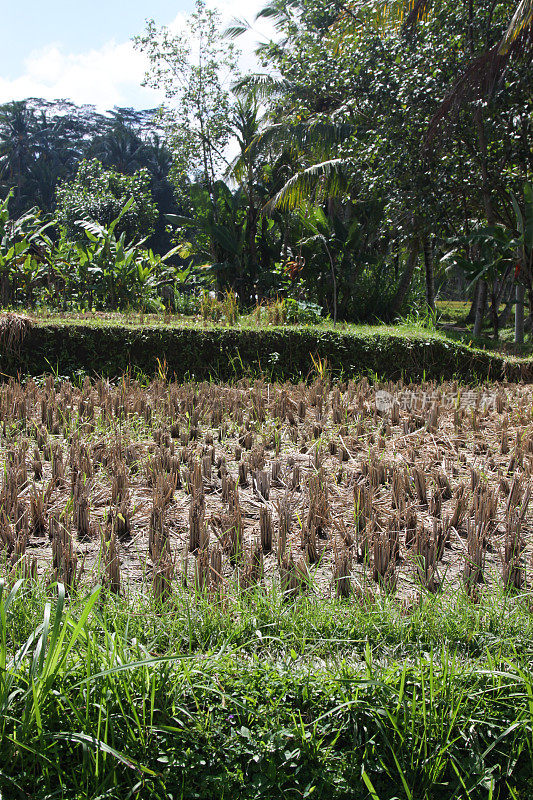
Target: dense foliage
43,144
373,164
431,157
95,268
412,142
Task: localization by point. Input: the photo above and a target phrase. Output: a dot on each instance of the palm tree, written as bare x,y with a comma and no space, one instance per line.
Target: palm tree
55,156
35,151
17,146
244,170
157,159
121,148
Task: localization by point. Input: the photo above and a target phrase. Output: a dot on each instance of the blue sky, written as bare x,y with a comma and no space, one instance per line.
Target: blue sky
82,50
74,26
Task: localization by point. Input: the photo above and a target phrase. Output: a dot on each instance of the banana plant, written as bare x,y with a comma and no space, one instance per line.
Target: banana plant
24,249
108,262
30,274
216,235
121,273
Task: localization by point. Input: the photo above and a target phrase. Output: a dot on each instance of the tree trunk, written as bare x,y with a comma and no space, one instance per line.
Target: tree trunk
334,281
485,179
505,315
251,230
529,292
471,316
430,276
405,281
519,314
487,202
480,307
495,303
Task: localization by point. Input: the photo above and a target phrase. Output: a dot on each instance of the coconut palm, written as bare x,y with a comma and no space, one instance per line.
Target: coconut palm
17,128
120,148
36,150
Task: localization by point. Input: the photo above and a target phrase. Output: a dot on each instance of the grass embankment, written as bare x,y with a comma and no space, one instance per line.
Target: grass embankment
257,698
111,345
452,310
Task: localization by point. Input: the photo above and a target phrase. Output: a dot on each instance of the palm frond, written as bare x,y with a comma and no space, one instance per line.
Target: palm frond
521,26
329,178
320,134
279,13
379,14
270,11
237,28
261,85
263,49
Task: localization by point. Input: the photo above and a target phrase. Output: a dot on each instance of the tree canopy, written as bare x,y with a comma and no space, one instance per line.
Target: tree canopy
383,149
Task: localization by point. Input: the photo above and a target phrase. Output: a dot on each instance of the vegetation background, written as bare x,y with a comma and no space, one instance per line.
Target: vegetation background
379,162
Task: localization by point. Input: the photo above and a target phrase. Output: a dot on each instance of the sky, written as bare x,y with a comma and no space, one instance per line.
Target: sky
82,51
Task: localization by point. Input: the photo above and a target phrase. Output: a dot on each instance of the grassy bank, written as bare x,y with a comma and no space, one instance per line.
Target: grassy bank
263,699
111,347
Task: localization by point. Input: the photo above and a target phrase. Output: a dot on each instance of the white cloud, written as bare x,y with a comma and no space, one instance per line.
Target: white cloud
112,74
260,31
105,77
231,10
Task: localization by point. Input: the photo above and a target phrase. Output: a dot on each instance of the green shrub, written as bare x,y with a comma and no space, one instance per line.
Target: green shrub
299,312
99,194
228,353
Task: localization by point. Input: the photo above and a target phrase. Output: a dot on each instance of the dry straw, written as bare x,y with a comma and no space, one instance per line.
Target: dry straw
305,482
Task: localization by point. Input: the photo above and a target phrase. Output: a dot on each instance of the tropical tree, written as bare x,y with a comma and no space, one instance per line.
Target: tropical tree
99,195
16,147
42,144
342,66
25,253
194,69
120,148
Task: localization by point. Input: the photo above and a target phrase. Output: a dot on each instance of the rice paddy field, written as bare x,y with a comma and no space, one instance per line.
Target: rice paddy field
265,590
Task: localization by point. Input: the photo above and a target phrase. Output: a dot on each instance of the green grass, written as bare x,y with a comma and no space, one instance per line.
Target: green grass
138,320
452,314
257,698
447,312
503,345
453,311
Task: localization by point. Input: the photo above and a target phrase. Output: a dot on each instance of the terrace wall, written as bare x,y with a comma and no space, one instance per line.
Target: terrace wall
225,354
